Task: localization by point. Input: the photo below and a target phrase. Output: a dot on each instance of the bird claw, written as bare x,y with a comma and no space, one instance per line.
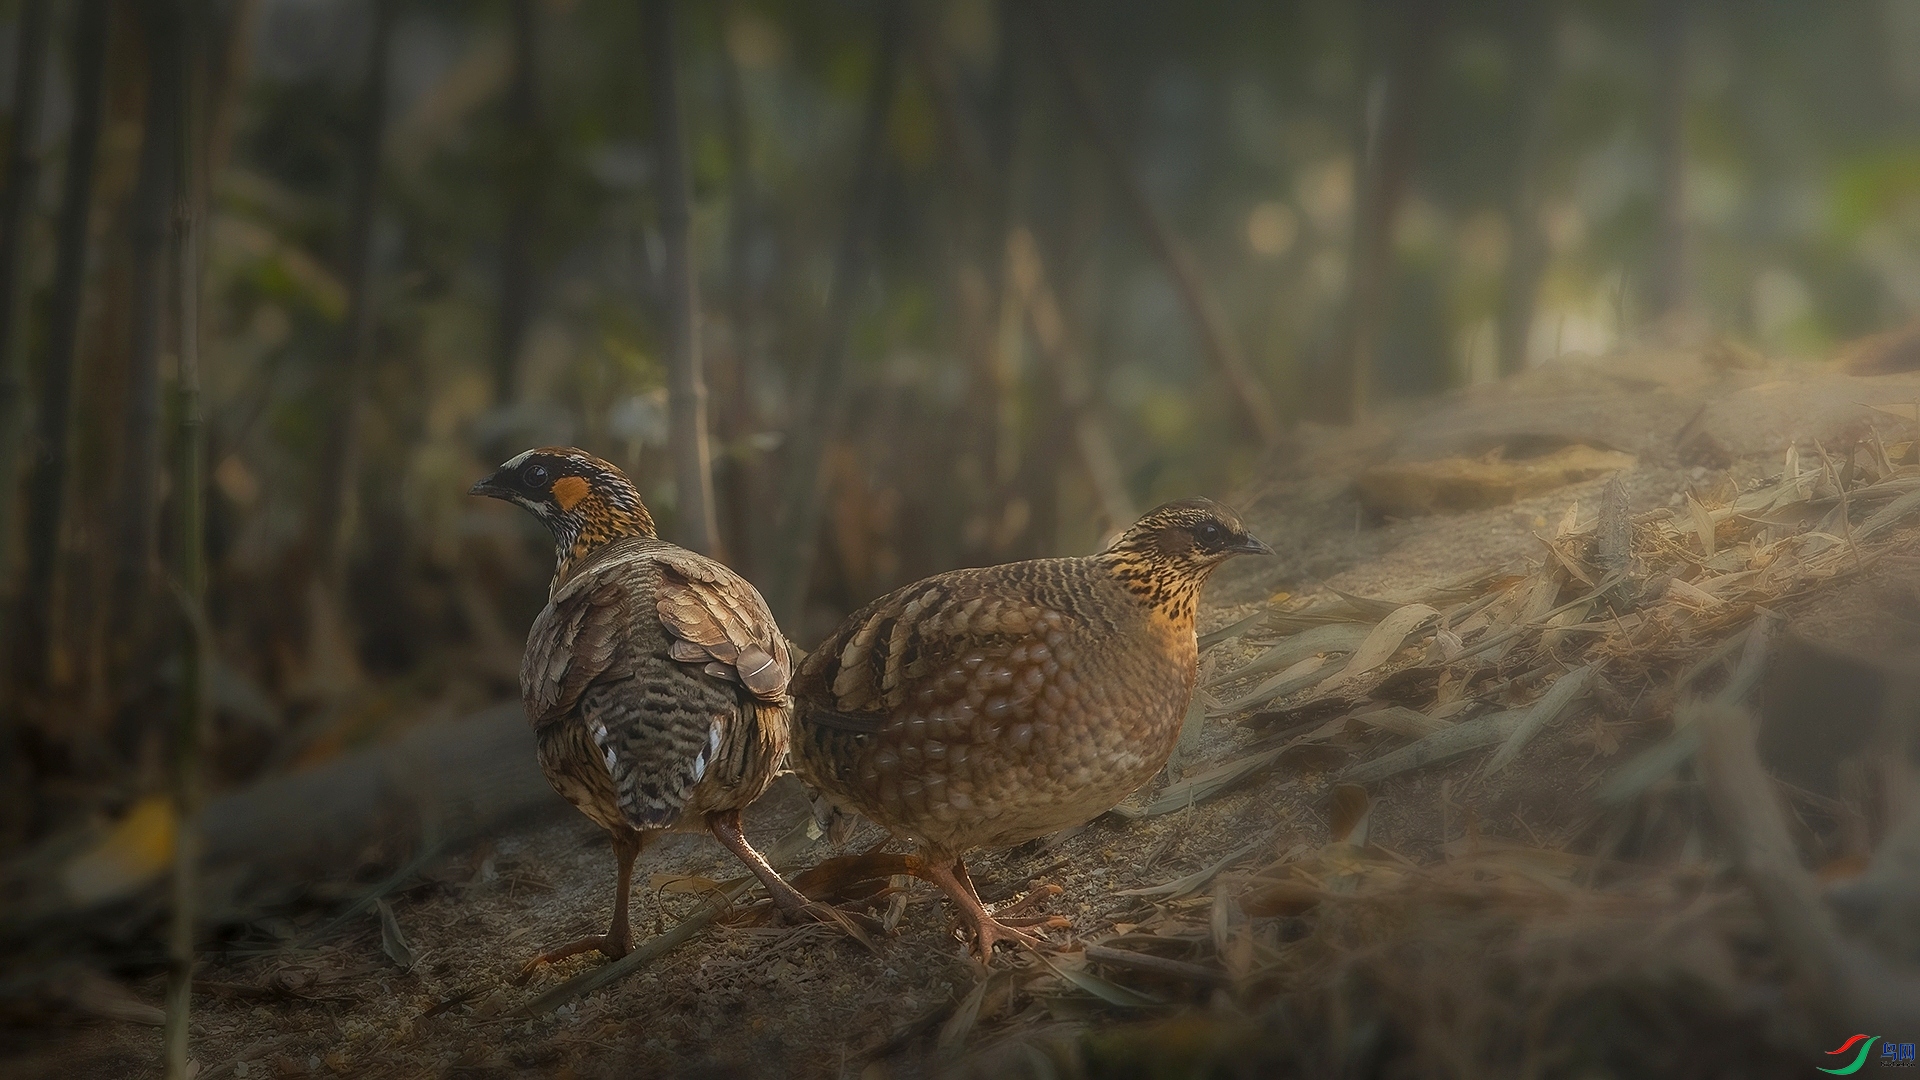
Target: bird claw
990,931
604,944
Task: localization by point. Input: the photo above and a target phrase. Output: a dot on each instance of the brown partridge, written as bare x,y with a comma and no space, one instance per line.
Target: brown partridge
980,708
655,678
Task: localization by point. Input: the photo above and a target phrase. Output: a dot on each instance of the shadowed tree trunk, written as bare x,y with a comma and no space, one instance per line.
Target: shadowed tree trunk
1533,33
686,383
984,445
47,476
227,74
16,207
998,191
190,574
1383,170
740,473
525,168
1032,287
826,403
1667,288
331,655
1253,405
1067,366
134,504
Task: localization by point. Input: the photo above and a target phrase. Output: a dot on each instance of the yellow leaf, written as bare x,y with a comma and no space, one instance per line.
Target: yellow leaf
1702,524
135,850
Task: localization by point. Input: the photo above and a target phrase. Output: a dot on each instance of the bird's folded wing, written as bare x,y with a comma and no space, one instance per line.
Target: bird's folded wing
720,620
572,642
918,645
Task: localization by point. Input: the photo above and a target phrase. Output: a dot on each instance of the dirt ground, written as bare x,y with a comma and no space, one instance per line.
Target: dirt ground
801,1001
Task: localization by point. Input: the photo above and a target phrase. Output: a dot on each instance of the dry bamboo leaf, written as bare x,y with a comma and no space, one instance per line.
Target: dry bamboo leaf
392,941
1330,638
1565,691
953,1033
645,953
1348,813
1613,541
1157,965
1444,746
1236,629
1402,721
1296,678
1288,897
1179,887
1887,515
1110,992
1693,595
1383,642
681,884
1702,524
1568,520
1369,607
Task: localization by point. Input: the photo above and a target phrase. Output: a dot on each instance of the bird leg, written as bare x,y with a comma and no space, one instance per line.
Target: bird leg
617,940
952,878
726,827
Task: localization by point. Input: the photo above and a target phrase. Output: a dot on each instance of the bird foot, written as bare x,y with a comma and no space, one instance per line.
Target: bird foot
613,948
989,931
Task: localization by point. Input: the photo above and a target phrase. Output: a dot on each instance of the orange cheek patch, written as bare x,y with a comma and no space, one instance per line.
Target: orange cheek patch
568,491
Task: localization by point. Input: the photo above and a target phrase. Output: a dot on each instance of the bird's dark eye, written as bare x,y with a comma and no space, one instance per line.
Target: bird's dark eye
535,476
1210,533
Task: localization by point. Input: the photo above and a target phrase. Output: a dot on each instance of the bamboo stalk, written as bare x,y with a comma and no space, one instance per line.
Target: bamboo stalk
686,382
1533,42
1254,405
1669,278
331,659
741,478
47,478
16,208
134,508
190,574
1032,287
1068,367
1383,169
826,406
524,170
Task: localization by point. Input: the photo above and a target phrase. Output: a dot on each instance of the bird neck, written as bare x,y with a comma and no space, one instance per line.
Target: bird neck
1167,587
601,517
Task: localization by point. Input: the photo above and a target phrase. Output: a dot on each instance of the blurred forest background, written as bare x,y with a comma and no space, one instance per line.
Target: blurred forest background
855,290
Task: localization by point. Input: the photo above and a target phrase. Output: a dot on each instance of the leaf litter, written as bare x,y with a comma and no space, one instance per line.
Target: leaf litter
1476,951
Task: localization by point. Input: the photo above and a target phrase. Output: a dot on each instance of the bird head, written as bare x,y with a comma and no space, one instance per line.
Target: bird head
1167,555
583,501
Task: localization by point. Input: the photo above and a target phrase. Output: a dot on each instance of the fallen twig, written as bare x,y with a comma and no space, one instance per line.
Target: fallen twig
1853,988
1158,965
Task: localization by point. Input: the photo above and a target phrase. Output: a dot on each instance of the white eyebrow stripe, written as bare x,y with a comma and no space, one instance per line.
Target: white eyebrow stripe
518,458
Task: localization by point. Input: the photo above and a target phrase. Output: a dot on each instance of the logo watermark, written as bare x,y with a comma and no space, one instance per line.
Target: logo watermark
1892,1054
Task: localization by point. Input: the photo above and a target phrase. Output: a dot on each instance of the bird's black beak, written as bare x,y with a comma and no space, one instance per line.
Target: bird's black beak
1249,544
491,487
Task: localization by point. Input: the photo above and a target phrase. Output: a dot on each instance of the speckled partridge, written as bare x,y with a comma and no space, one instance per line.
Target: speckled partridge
655,678
980,708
